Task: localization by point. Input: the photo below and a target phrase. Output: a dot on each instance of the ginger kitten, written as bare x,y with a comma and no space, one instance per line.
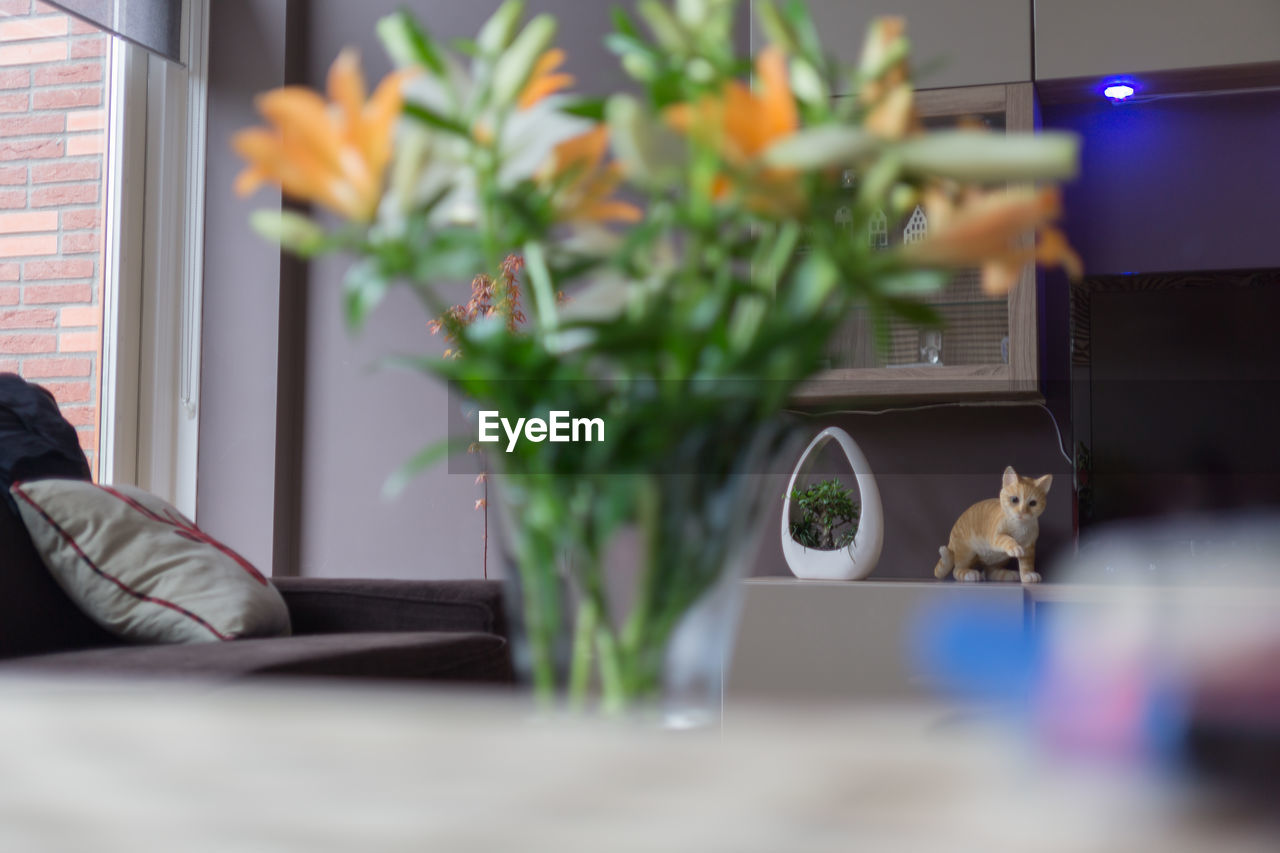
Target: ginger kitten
992,531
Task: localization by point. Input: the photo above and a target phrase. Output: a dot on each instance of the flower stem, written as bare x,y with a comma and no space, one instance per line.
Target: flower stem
542,616
613,690
584,633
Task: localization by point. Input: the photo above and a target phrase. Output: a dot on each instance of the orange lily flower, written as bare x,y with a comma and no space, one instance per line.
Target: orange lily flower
986,231
545,79
743,124
585,182
334,153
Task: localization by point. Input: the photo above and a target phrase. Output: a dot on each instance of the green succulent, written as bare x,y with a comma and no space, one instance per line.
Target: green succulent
827,516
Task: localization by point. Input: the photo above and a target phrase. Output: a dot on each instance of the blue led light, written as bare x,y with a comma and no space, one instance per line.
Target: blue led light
1118,91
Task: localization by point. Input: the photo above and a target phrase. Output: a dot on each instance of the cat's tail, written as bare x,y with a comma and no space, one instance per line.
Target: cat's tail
946,562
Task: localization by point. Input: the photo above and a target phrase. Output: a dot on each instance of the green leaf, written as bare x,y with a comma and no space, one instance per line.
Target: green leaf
800,24
465,46
512,70
623,23
820,147
878,182
914,282
363,289
878,59
293,231
775,26
648,151
772,256
988,158
807,83
544,296
744,324
624,44
588,108
452,254
693,13
422,211
408,44
628,134
602,300
664,26
421,461
497,33
640,66
810,287
433,119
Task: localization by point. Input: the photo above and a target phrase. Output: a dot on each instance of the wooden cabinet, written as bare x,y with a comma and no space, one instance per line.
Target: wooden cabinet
831,641
988,348
841,640
1095,38
953,43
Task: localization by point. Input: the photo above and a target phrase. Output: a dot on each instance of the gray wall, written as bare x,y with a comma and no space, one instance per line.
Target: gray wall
236,495
1085,38
953,43
1167,185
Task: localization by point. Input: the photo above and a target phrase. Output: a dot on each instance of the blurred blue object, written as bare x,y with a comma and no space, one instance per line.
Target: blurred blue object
972,652
1157,646
1117,709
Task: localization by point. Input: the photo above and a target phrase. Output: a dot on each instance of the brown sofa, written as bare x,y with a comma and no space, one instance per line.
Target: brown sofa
434,630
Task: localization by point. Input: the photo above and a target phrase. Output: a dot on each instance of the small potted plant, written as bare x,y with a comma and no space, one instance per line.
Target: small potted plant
826,534
824,516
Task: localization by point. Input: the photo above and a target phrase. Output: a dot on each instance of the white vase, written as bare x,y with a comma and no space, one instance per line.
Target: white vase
859,558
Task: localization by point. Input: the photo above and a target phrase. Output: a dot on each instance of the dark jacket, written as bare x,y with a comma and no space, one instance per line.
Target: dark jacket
36,442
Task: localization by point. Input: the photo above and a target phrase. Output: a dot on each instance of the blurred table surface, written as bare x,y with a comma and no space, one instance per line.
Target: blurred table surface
282,767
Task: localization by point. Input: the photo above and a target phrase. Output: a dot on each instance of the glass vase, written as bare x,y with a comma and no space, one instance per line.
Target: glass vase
657,643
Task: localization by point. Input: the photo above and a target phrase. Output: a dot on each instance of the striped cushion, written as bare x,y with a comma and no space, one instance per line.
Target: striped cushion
143,570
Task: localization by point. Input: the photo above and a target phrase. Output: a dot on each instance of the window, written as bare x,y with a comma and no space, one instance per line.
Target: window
54,107
101,192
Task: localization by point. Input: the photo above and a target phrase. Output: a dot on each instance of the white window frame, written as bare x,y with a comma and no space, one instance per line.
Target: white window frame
154,261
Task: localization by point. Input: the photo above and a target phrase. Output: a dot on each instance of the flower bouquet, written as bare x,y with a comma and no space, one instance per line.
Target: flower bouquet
690,221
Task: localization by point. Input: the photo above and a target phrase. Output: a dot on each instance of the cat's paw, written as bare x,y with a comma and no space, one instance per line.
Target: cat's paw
1016,551
1031,577
969,576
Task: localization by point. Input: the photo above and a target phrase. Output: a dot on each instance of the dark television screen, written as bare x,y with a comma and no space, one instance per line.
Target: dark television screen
1176,393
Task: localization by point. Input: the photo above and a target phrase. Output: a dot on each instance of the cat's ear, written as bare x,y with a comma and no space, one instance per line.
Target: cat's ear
1044,483
1010,477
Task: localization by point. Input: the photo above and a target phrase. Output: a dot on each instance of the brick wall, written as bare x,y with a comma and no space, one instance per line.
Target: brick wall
53,96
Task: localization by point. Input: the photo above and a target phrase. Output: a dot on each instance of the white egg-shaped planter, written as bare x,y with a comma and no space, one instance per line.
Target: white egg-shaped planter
859,558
